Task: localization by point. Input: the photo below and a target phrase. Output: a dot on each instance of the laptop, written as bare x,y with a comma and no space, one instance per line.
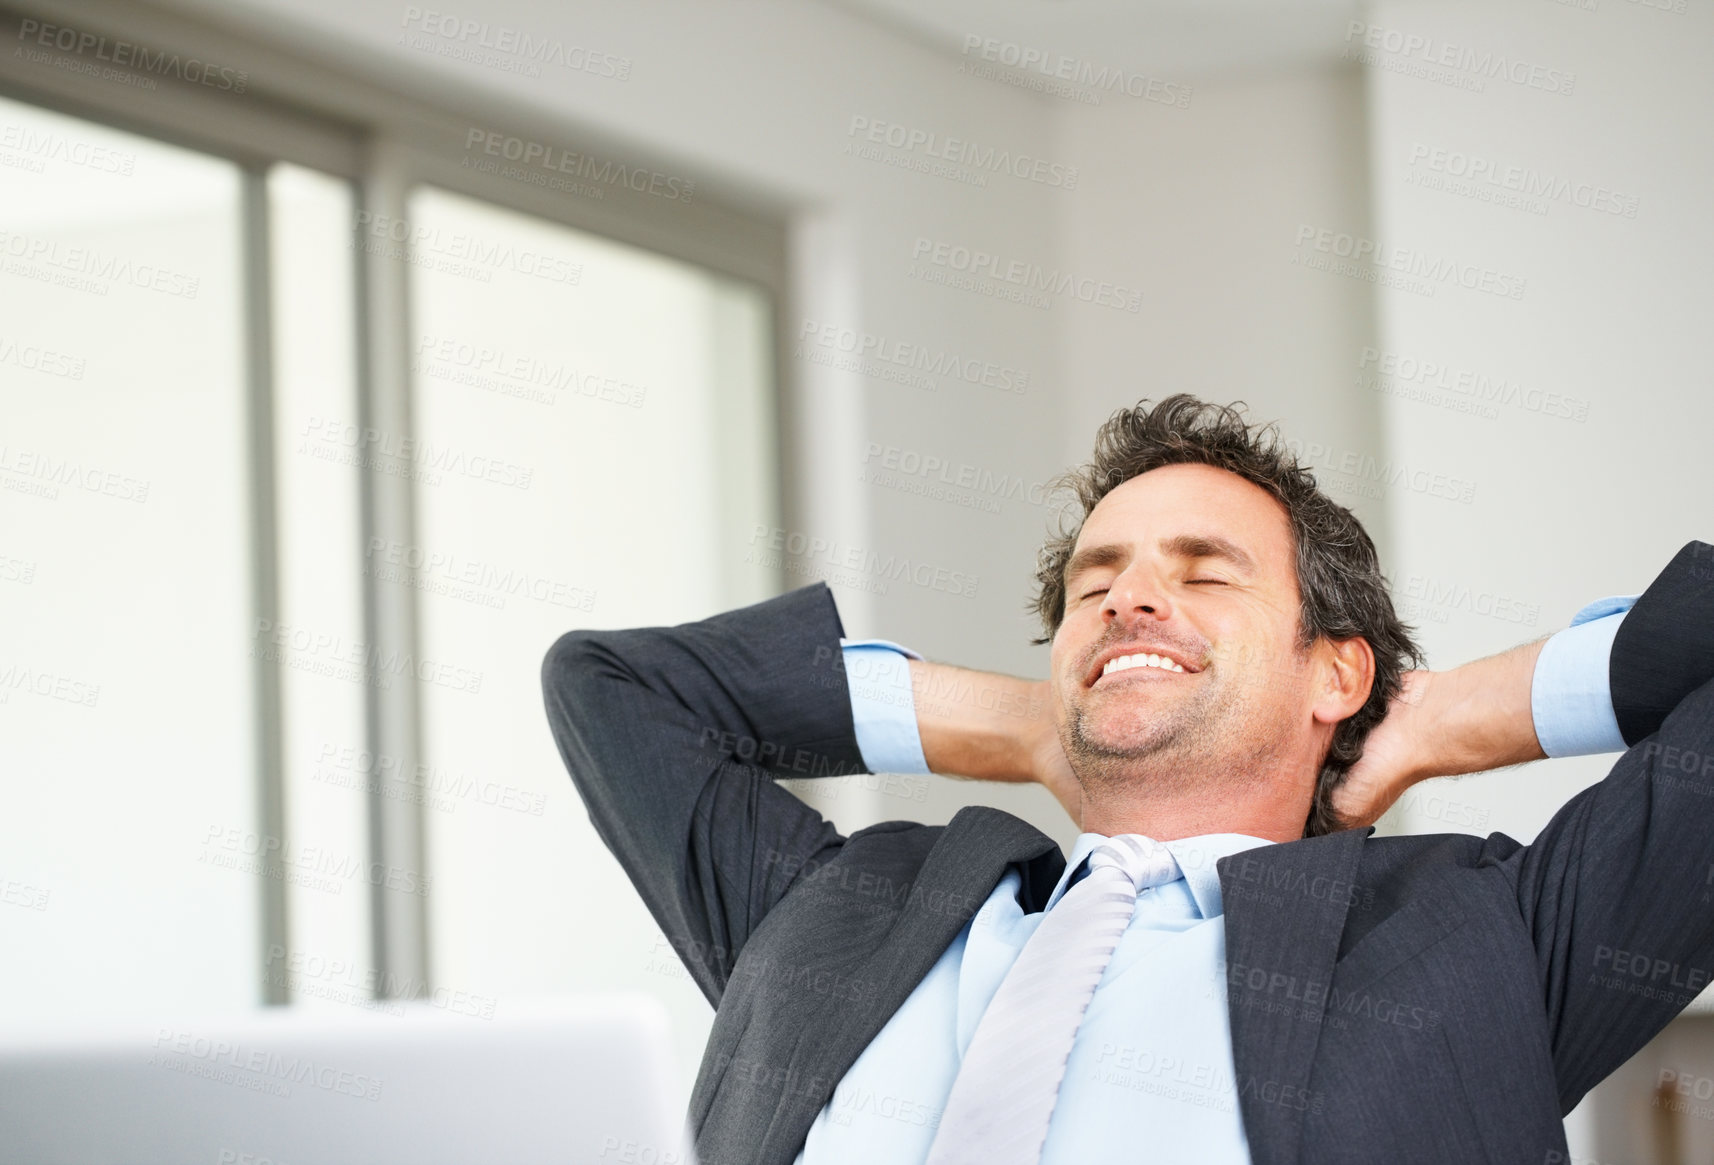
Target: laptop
574,1081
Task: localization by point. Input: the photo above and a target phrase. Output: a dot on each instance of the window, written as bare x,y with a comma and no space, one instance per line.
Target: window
126,702
572,398
312,442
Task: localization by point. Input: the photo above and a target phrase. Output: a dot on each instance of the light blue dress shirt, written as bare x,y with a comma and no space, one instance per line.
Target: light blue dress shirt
1152,1062
1142,1072
1570,700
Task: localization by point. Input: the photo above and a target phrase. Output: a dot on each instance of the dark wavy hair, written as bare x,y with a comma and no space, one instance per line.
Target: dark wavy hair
1343,593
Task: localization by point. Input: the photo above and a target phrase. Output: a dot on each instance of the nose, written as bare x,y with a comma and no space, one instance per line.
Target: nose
1136,592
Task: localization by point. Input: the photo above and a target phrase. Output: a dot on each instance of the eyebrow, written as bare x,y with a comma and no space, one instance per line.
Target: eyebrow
1179,546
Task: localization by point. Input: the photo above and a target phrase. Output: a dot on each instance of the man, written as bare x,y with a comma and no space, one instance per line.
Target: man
1230,967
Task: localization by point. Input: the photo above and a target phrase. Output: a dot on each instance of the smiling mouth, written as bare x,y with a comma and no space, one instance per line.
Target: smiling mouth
1148,660
1139,673
1140,663
1135,676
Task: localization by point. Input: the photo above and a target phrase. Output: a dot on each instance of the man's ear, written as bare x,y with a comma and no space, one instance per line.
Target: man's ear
1347,668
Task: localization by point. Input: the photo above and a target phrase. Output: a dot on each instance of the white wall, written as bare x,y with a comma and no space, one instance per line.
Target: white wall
1612,317
1202,206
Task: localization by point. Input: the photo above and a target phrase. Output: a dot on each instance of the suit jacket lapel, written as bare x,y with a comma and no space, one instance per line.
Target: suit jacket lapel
956,878
1285,908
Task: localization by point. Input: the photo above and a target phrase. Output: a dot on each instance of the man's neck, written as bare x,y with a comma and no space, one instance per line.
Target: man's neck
1169,818
1182,793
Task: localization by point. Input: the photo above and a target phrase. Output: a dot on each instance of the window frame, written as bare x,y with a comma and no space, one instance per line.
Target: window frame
388,137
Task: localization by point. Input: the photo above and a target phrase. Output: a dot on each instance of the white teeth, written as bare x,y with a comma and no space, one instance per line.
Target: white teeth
1125,662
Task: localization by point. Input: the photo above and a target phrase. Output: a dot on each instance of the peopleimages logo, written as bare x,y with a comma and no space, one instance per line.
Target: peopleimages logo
342,442
1485,176
913,140
529,51
1348,254
16,677
1456,596
130,55
1367,475
518,374
534,155
1033,277
1437,60
776,546
1081,80
269,1071
328,653
38,147
88,269
32,471
415,563
888,464
459,252
38,359
1394,371
867,348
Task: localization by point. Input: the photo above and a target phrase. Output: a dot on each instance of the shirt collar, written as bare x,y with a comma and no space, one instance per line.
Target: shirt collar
1196,857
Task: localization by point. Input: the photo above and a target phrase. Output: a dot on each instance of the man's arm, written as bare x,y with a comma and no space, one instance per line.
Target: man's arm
1616,889
1442,724
916,716
672,736
1547,698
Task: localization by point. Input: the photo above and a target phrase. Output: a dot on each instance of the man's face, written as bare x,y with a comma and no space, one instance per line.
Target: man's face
1196,565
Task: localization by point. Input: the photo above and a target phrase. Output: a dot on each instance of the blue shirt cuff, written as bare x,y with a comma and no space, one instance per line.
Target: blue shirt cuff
883,707
1571,700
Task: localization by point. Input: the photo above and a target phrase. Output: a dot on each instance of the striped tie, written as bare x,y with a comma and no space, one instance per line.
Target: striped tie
1005,1091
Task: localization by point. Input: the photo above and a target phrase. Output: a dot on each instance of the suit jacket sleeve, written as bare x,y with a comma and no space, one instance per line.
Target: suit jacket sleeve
672,734
1616,889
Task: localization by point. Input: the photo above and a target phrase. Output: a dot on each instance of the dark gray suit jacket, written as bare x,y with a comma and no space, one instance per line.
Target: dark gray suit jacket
1430,998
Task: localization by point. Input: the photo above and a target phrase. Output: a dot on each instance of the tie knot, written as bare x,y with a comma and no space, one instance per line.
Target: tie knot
1143,859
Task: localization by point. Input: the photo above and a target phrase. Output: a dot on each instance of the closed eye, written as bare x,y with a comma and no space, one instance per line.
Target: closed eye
1218,582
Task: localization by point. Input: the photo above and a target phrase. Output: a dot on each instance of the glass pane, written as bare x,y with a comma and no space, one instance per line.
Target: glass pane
577,399
127,841
327,959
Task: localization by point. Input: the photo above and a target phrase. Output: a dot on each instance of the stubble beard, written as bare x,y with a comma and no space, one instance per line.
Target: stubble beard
1179,750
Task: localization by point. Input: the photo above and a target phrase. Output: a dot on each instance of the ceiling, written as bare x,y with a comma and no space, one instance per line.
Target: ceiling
1176,40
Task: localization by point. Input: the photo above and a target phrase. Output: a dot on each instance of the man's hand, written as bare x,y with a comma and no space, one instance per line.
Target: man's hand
1393,757
992,727
1441,724
1053,771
